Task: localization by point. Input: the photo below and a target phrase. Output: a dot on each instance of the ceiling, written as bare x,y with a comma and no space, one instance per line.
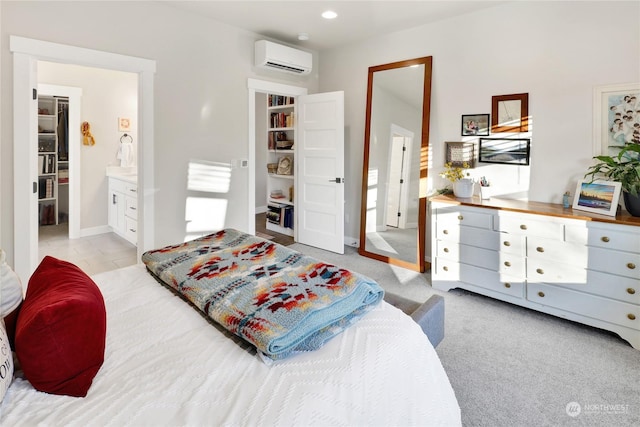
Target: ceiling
357,20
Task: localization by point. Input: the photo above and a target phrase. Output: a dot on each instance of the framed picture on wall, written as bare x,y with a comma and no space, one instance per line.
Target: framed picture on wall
475,125
511,151
597,196
285,166
616,117
510,113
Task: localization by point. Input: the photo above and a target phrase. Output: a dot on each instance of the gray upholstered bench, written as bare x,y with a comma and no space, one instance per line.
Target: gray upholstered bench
429,315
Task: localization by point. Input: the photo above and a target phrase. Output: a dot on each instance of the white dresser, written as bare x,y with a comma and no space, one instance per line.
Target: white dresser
579,266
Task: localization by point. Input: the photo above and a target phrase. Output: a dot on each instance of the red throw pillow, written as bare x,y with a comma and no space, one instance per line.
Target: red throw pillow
61,327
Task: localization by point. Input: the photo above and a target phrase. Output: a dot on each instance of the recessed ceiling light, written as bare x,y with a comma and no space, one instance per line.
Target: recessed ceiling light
329,14
303,36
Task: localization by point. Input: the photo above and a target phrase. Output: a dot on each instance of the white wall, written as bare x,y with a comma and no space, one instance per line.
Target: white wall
555,51
106,96
201,95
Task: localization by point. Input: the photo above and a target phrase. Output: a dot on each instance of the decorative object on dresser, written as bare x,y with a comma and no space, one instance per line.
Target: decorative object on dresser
597,196
462,187
624,168
510,113
475,125
584,268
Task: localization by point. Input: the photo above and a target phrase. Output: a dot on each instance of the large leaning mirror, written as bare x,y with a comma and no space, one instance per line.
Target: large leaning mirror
394,204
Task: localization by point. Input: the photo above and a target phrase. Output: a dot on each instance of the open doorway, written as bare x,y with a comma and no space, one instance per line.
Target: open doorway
26,54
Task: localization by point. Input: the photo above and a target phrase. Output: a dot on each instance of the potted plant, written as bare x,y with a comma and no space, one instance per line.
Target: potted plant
462,186
625,169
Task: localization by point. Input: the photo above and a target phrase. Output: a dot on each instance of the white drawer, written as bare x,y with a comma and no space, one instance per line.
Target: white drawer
468,235
471,218
557,251
622,239
543,270
513,244
609,286
466,254
131,229
131,207
130,189
584,304
445,270
526,225
621,263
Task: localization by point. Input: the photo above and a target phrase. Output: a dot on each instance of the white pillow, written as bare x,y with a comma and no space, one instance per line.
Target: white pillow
10,288
6,362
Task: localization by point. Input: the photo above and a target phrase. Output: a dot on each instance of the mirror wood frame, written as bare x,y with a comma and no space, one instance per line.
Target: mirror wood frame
420,264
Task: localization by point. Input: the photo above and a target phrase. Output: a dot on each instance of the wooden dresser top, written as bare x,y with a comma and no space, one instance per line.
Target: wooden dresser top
538,208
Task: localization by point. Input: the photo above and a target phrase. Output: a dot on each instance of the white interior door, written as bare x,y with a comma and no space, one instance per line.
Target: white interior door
320,171
396,181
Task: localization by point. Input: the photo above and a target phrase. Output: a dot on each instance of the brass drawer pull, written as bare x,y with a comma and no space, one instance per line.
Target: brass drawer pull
507,263
541,294
523,227
445,231
631,316
445,268
539,271
540,249
446,250
605,239
507,243
631,266
631,291
507,285
460,217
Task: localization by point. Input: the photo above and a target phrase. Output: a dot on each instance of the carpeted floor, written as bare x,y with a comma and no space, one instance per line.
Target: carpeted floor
511,366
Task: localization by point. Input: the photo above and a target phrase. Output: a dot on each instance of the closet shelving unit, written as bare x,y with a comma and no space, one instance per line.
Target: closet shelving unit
53,163
281,156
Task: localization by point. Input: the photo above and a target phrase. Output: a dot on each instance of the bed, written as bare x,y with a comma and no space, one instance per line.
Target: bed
165,363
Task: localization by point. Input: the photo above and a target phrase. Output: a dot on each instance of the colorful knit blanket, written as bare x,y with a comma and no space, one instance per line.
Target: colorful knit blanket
274,297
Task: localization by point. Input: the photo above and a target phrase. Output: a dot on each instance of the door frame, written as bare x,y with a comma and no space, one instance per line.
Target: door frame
26,53
261,86
407,136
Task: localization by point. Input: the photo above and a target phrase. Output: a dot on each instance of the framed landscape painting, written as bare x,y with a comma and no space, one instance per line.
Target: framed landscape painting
597,196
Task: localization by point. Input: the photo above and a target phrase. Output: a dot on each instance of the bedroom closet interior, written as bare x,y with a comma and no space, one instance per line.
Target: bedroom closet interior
53,160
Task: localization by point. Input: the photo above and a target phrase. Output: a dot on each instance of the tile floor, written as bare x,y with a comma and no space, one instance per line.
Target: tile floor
93,254
106,252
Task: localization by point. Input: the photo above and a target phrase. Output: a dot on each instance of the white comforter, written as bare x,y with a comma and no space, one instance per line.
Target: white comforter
165,365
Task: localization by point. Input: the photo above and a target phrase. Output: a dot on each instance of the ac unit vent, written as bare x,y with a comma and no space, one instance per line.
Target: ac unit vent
279,57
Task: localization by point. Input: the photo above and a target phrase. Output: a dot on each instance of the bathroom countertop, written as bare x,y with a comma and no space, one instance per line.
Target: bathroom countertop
124,174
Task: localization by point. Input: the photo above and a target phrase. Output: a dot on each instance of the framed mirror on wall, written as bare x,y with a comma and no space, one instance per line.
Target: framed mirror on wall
394,204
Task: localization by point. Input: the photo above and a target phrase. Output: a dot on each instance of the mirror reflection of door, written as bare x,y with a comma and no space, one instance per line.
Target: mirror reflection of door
398,180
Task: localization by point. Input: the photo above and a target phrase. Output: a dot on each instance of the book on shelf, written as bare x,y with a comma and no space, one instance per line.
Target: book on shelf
277,100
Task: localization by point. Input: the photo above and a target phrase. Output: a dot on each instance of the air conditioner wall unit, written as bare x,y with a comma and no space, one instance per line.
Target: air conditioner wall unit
283,58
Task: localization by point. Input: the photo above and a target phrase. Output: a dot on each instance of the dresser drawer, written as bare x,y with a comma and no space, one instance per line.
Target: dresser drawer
470,218
445,270
468,235
528,226
621,263
513,244
512,265
609,286
543,270
584,304
557,251
466,254
622,239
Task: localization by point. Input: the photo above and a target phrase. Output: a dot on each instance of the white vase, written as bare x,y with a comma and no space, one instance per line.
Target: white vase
463,188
